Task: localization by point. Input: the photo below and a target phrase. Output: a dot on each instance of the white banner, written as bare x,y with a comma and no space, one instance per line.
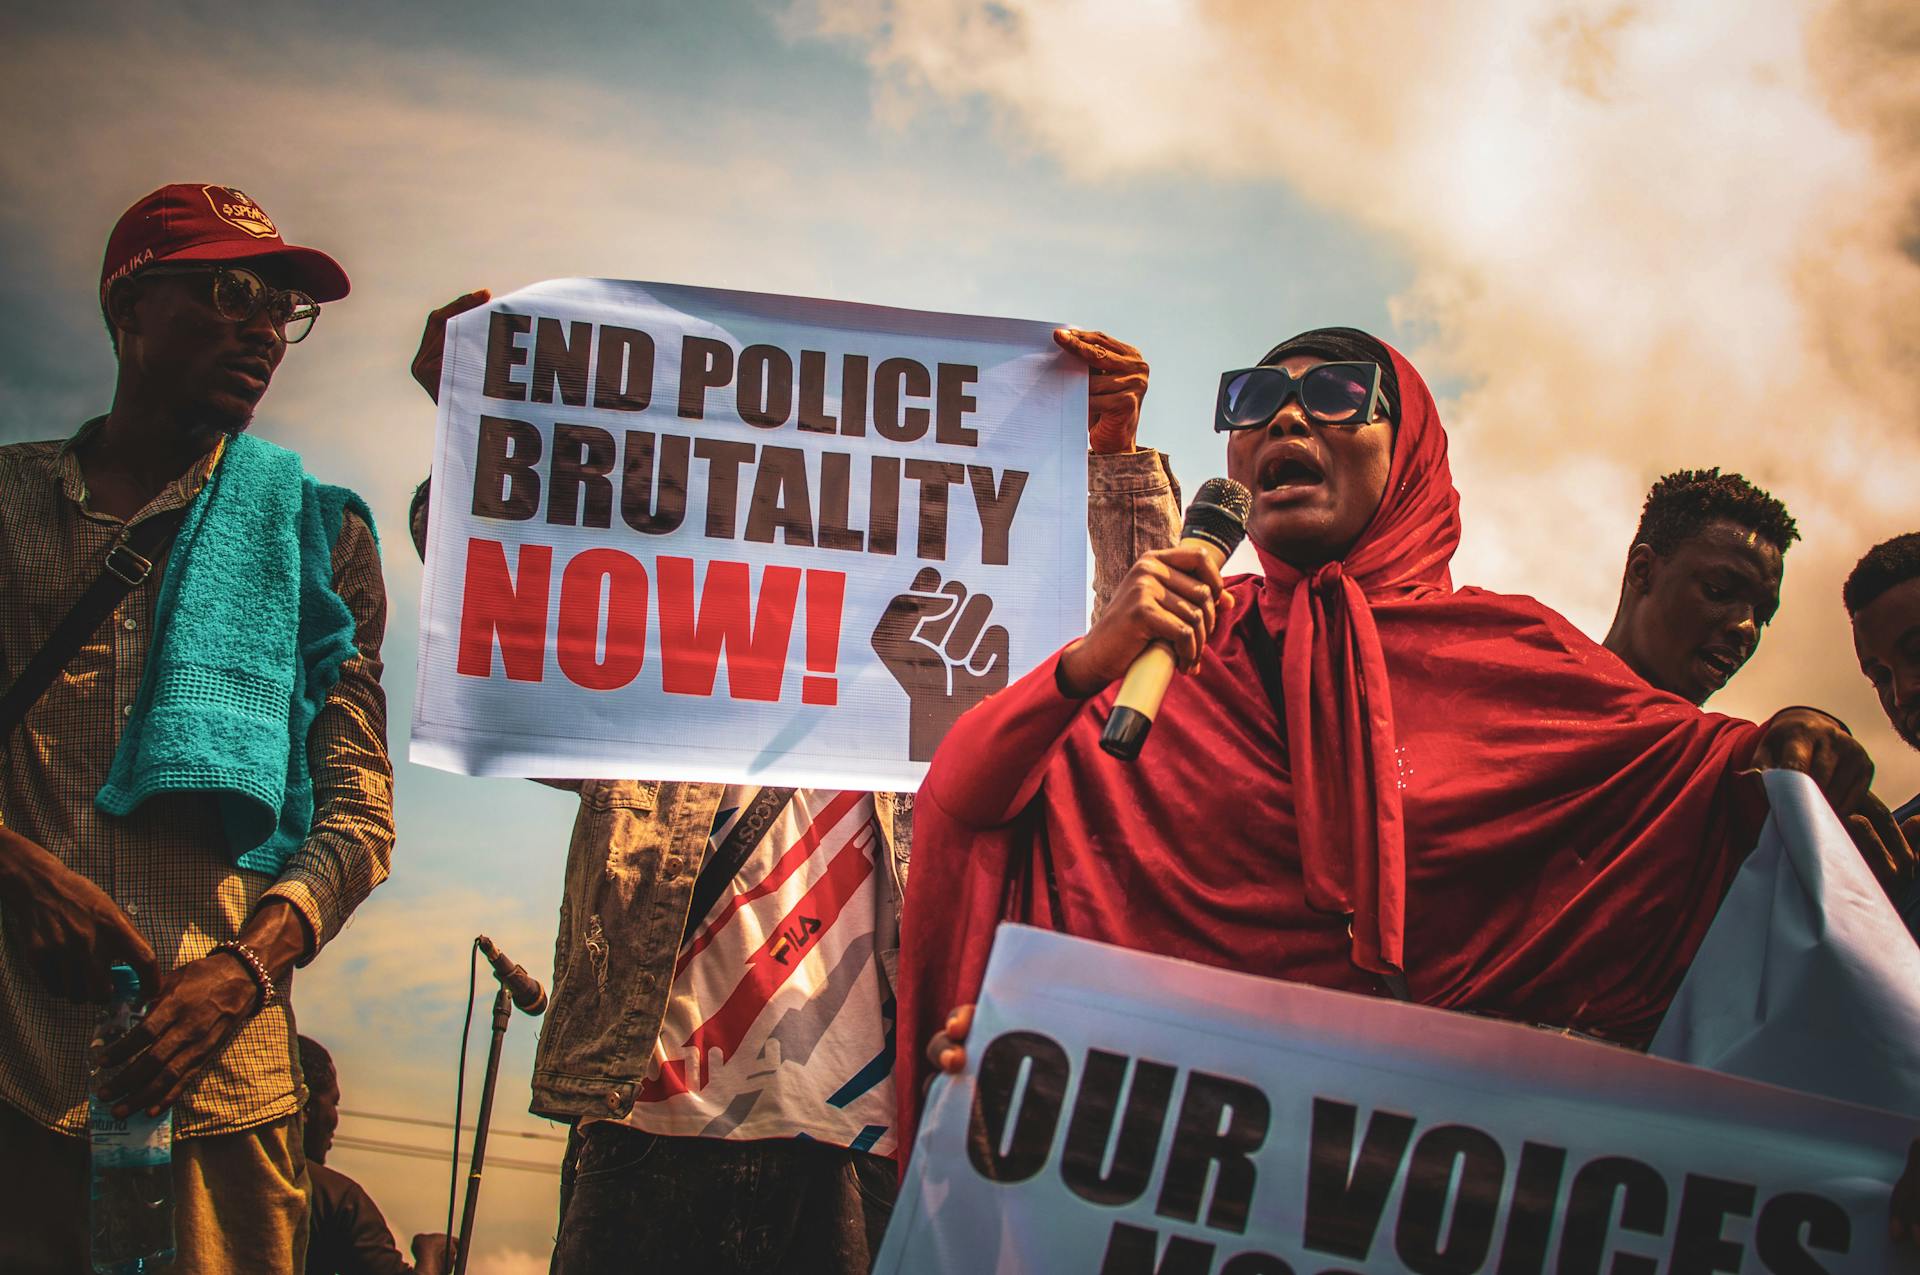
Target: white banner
682,533
1808,978
1127,1114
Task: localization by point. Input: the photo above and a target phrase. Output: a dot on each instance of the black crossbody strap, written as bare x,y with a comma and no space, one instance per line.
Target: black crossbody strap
726,861
1054,911
1266,659
128,562
1016,901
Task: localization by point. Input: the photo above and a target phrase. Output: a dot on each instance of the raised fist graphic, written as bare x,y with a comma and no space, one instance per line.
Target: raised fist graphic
936,642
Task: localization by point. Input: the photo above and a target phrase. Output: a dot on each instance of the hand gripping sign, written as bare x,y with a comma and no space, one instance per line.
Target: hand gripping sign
1129,1114
683,533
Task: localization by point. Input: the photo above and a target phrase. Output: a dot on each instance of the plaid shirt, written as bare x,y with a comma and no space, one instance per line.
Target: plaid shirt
167,865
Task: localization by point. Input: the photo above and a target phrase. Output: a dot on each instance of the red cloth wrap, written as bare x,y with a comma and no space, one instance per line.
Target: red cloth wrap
1464,788
1351,826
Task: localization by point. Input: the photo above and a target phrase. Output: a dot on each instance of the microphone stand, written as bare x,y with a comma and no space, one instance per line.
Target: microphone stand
502,1012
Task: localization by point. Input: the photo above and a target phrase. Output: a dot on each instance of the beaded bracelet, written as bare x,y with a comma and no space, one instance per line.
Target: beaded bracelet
256,970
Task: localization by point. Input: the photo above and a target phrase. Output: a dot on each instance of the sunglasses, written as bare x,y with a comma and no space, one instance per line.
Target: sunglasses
1343,394
239,294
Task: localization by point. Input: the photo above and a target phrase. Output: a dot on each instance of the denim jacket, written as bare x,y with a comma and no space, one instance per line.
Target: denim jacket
638,845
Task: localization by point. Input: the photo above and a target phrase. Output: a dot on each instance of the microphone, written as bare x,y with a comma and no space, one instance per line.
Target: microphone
1216,524
528,996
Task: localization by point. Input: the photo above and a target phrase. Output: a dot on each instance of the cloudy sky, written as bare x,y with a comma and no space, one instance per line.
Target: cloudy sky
1618,238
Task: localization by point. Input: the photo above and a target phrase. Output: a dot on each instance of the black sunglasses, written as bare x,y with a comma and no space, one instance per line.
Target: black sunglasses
239,294
1343,394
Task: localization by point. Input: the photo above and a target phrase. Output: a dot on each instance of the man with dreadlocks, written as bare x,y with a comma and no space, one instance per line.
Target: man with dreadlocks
1702,581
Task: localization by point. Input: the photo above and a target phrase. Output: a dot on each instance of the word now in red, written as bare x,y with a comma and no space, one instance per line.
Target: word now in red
600,642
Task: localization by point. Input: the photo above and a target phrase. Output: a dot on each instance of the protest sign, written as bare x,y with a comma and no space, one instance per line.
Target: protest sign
1808,978
1128,1114
683,533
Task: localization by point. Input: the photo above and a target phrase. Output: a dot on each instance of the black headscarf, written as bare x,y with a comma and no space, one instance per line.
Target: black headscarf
1344,345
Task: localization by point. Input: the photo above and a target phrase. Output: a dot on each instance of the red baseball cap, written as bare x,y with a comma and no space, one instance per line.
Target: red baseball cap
189,222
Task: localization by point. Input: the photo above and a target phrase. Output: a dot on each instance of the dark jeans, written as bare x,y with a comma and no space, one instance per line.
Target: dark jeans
634,1202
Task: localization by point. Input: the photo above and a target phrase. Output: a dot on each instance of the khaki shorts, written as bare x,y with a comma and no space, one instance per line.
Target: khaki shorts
239,1200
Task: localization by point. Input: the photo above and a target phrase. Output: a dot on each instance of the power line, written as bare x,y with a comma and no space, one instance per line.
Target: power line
347,1142
448,1124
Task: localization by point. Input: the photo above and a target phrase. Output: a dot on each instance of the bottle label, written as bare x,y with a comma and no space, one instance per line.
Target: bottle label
135,1142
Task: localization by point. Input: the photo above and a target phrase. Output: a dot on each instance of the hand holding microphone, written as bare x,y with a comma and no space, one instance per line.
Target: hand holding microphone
1160,618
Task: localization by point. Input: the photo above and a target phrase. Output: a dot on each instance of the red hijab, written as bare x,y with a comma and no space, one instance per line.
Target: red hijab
1352,830
1456,785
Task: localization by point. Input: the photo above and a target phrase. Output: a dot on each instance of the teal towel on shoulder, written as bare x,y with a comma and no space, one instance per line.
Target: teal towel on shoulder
249,637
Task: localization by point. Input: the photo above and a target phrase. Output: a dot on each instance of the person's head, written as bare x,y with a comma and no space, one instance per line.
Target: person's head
200,295
1702,581
1314,449
1883,597
417,514
322,1114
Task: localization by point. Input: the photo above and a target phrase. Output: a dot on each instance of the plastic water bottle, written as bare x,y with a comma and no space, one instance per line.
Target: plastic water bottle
132,1206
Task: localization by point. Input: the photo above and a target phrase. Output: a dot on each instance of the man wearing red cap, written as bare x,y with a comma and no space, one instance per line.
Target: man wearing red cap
193,770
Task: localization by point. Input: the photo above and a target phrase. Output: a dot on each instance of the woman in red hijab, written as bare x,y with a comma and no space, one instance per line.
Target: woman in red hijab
1368,779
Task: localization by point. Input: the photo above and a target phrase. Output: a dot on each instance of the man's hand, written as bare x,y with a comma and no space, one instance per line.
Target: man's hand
1886,847
1171,595
938,645
67,928
1810,741
1117,383
434,1253
199,1008
433,340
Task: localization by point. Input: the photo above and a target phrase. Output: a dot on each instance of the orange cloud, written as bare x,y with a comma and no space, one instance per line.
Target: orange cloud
1642,237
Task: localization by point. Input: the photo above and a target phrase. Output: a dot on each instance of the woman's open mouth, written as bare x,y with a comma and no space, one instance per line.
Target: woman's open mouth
1289,470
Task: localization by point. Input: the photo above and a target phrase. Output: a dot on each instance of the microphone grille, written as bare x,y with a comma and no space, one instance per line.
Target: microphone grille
1218,514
